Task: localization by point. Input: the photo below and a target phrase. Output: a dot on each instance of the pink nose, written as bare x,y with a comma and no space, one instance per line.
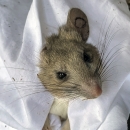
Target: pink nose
96,91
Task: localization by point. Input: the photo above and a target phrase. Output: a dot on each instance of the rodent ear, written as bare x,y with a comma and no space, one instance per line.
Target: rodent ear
78,20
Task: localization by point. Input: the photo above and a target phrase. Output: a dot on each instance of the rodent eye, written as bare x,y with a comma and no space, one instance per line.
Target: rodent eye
87,57
61,75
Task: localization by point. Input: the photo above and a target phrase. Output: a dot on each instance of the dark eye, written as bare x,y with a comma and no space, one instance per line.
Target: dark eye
61,75
87,57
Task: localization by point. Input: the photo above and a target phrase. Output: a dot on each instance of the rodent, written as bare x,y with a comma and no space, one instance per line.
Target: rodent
70,67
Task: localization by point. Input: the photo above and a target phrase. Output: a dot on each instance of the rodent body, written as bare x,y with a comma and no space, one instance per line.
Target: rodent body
60,107
69,66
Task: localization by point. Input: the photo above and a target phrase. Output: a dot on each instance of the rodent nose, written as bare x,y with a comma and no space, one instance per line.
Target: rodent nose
96,91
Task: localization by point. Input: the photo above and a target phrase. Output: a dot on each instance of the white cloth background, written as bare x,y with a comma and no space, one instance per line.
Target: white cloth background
24,104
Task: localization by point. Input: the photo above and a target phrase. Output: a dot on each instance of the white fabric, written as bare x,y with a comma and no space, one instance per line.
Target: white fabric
24,104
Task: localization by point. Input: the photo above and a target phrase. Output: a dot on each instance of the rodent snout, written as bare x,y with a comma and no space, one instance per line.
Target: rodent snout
93,91
96,91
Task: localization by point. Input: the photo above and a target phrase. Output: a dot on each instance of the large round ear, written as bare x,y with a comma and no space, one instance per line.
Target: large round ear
78,20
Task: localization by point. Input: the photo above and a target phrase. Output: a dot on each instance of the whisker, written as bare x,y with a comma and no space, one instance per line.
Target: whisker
111,60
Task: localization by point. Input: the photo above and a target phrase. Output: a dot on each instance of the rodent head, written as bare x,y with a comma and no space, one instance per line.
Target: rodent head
69,66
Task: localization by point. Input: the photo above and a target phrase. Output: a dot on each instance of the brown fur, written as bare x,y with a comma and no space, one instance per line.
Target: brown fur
64,52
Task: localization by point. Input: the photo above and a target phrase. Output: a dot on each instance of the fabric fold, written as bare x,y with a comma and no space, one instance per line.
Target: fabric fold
24,103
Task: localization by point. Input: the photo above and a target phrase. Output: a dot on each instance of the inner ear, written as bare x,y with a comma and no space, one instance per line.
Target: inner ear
78,20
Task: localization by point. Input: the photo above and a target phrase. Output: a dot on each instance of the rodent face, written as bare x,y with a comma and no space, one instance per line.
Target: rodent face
69,66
